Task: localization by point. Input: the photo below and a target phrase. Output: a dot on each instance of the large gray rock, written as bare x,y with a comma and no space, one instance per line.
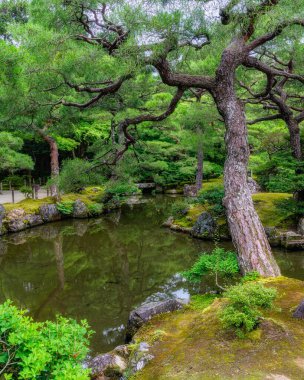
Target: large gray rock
80,210
49,213
146,311
190,191
15,220
33,219
301,226
107,366
299,312
204,227
254,187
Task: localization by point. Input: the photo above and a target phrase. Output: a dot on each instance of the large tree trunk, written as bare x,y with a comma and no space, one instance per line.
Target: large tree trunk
246,229
200,160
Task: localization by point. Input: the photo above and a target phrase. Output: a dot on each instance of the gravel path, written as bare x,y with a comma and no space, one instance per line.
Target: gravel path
6,196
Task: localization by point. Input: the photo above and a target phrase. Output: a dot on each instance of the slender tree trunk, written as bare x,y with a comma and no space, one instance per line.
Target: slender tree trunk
246,229
200,160
295,139
54,160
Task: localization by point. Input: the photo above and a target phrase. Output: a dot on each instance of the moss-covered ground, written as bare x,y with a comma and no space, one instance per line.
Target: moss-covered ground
89,196
191,344
266,204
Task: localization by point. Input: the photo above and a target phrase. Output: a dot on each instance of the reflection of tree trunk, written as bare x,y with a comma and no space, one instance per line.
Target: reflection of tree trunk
59,259
200,160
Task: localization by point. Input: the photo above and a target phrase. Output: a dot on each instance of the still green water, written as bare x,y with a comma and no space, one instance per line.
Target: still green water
100,269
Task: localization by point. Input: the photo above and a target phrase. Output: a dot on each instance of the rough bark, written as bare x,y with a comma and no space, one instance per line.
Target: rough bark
295,138
54,160
246,229
200,161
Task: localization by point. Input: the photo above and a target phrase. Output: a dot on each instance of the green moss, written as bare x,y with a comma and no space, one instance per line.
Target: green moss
269,212
266,205
212,184
31,206
196,347
201,301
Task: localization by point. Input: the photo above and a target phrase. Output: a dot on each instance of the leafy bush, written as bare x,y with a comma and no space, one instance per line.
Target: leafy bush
291,207
77,174
212,170
65,208
179,209
214,198
16,181
119,189
251,276
218,262
245,302
42,350
95,209
27,191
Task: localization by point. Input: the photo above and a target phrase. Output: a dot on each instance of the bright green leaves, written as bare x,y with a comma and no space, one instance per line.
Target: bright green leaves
245,304
42,350
11,158
219,261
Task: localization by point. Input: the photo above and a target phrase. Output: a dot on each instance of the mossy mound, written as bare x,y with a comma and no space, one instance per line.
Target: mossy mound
194,346
30,206
88,196
266,204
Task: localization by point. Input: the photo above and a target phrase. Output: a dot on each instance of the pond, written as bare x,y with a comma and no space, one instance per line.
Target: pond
100,269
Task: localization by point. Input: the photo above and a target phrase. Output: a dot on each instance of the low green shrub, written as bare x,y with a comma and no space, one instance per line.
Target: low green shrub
41,350
213,198
120,189
77,174
65,208
26,190
179,209
95,209
250,276
219,261
291,207
245,303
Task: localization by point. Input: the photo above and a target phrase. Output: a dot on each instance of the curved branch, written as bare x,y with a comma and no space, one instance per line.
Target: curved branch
268,70
264,118
130,140
270,36
111,89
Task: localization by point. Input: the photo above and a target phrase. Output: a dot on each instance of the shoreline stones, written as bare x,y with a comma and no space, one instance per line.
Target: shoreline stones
130,358
18,220
205,227
145,312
